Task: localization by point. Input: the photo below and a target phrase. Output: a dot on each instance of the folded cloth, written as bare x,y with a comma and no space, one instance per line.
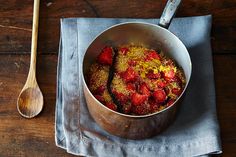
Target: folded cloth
195,132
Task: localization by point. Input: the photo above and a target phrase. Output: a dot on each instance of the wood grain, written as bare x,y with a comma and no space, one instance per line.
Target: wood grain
15,30
19,136
22,137
225,80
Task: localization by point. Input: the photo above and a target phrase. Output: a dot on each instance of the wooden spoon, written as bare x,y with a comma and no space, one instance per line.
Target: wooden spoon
30,100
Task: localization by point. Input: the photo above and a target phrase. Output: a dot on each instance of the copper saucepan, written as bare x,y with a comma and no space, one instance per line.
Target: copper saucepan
151,36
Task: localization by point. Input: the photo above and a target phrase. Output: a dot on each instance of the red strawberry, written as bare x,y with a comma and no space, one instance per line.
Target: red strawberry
121,97
153,105
176,91
177,80
143,89
170,102
131,86
151,75
129,75
132,62
161,84
168,75
159,95
105,57
111,106
138,99
124,50
100,90
99,98
152,55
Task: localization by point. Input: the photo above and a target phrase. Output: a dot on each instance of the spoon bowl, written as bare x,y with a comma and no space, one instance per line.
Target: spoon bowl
30,102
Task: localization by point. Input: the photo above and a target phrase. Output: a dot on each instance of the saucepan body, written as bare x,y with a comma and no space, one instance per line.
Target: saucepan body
152,36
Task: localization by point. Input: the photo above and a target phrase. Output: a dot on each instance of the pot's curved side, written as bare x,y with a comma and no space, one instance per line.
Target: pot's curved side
129,127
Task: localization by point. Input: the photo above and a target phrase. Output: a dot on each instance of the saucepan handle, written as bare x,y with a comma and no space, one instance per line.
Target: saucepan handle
169,13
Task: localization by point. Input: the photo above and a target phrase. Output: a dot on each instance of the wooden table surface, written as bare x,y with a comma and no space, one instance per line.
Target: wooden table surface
35,137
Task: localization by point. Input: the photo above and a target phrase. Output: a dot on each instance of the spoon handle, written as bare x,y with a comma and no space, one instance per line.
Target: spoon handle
34,39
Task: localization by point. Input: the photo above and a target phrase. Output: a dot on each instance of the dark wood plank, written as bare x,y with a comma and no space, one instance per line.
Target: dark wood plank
16,18
225,79
35,137
19,136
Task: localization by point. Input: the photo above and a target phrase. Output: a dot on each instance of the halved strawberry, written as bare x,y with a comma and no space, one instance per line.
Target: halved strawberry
131,86
121,97
162,84
99,98
153,105
159,95
168,75
177,80
170,102
105,57
151,75
129,75
111,106
138,99
124,50
176,91
100,90
143,89
152,55
132,62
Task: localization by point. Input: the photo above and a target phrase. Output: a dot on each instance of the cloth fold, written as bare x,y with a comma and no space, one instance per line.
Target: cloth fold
195,132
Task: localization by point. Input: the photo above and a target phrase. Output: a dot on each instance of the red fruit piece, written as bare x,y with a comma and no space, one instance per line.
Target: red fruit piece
153,105
143,89
159,95
111,106
138,99
152,55
129,75
170,102
161,84
99,98
169,74
177,80
124,50
131,86
100,90
121,97
151,75
176,91
105,57
132,62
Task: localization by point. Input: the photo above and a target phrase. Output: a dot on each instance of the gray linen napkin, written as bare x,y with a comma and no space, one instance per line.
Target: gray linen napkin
195,132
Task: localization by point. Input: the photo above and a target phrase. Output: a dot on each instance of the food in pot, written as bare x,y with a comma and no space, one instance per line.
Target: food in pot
144,81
